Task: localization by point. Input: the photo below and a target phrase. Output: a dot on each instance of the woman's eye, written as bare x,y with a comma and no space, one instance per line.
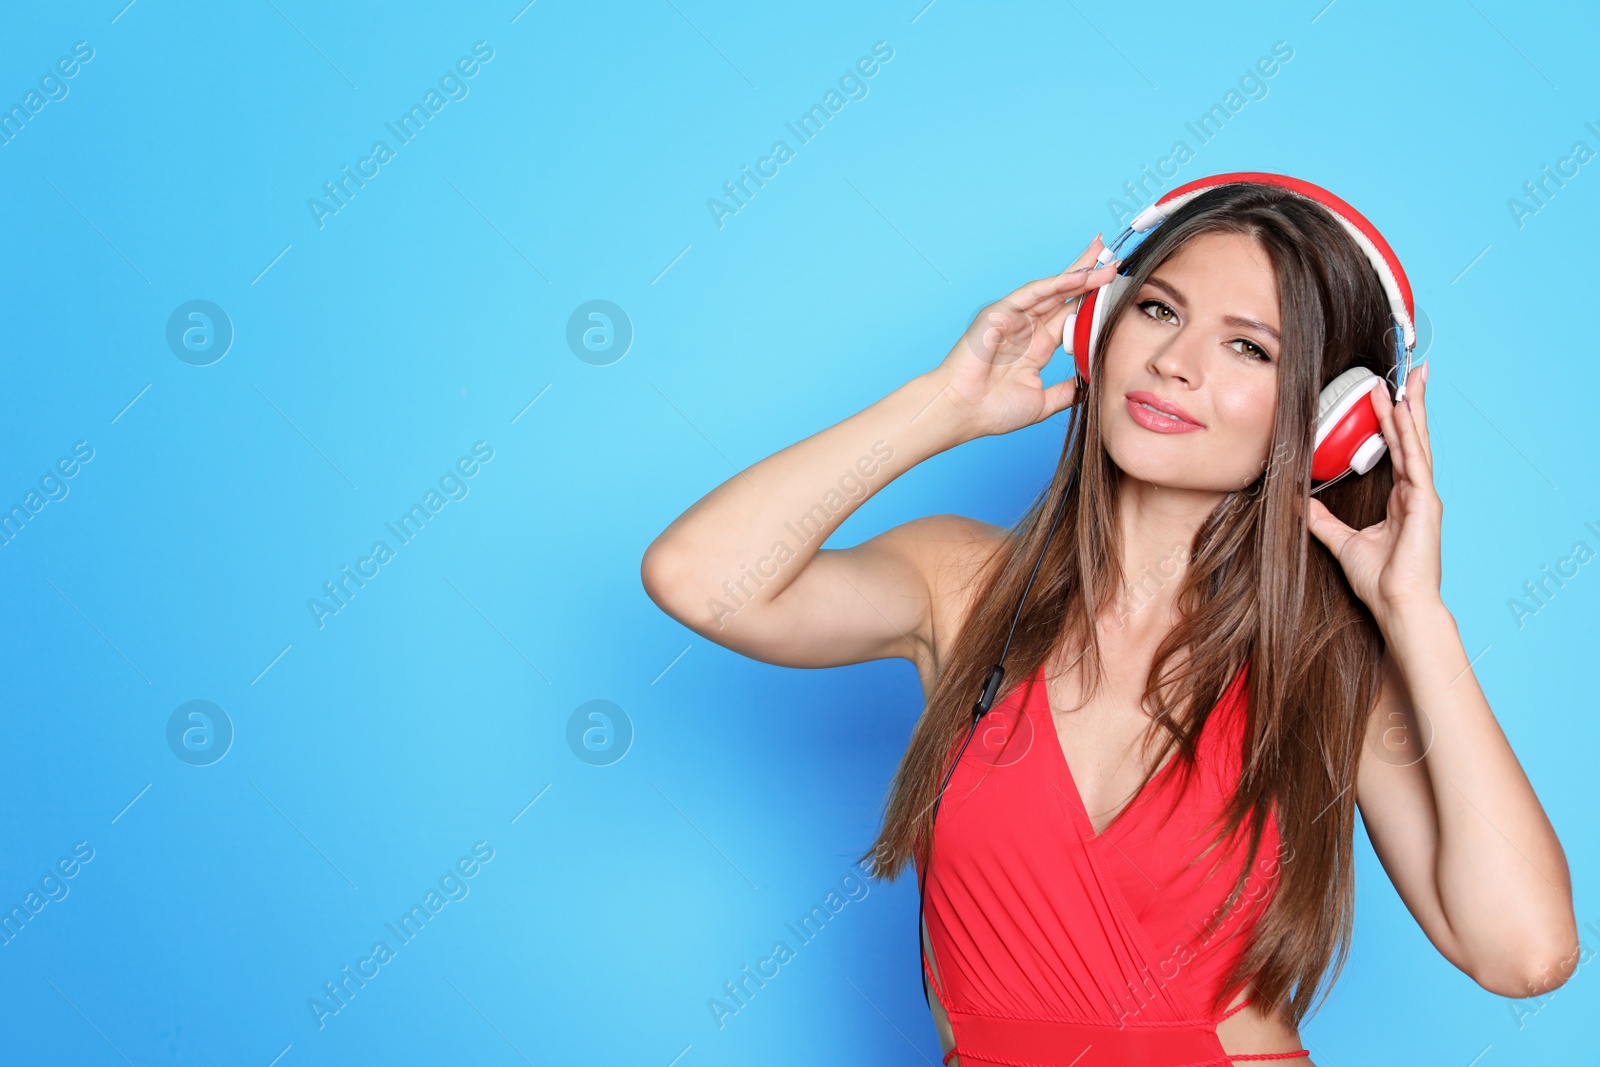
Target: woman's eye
1260,353
1145,305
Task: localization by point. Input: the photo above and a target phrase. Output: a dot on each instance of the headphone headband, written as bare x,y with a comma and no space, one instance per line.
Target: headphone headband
1396,286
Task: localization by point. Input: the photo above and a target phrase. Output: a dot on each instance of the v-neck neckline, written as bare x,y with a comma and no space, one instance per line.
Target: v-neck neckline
1079,807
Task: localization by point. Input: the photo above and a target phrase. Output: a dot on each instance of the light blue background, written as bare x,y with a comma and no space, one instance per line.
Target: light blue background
432,310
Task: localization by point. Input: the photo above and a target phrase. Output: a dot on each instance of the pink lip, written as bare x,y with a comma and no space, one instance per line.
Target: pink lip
1151,421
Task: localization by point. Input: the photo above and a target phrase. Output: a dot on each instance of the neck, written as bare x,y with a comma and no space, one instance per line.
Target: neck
1158,525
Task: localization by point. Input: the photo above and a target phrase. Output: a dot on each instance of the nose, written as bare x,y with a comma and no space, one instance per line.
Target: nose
1181,358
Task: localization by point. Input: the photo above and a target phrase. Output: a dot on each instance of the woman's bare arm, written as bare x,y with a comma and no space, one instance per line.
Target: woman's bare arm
744,566
1454,819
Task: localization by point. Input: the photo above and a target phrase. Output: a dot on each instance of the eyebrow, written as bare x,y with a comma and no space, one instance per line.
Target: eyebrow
1231,320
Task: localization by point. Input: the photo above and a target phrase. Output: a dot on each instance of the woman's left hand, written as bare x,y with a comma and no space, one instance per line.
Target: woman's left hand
1393,565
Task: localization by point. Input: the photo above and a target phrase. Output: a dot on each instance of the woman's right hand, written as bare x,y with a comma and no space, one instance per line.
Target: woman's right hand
992,373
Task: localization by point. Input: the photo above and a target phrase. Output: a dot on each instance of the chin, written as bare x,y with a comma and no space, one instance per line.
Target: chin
1169,468
1160,460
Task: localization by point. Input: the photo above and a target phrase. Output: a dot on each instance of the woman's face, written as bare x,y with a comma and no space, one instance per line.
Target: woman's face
1201,335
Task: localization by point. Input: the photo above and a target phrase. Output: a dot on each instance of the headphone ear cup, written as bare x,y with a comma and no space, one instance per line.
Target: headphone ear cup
1348,437
1090,324
1082,319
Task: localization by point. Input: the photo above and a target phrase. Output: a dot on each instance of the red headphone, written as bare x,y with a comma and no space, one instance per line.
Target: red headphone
1348,437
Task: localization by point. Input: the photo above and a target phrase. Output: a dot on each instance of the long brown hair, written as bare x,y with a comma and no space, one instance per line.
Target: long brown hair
1258,591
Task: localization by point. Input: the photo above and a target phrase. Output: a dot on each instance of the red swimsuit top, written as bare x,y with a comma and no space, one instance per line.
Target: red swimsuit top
1058,946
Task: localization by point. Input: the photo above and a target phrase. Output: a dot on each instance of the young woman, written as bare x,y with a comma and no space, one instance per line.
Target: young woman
1146,858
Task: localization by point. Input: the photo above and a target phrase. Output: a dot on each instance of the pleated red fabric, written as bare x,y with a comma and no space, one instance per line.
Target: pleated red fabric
1060,947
